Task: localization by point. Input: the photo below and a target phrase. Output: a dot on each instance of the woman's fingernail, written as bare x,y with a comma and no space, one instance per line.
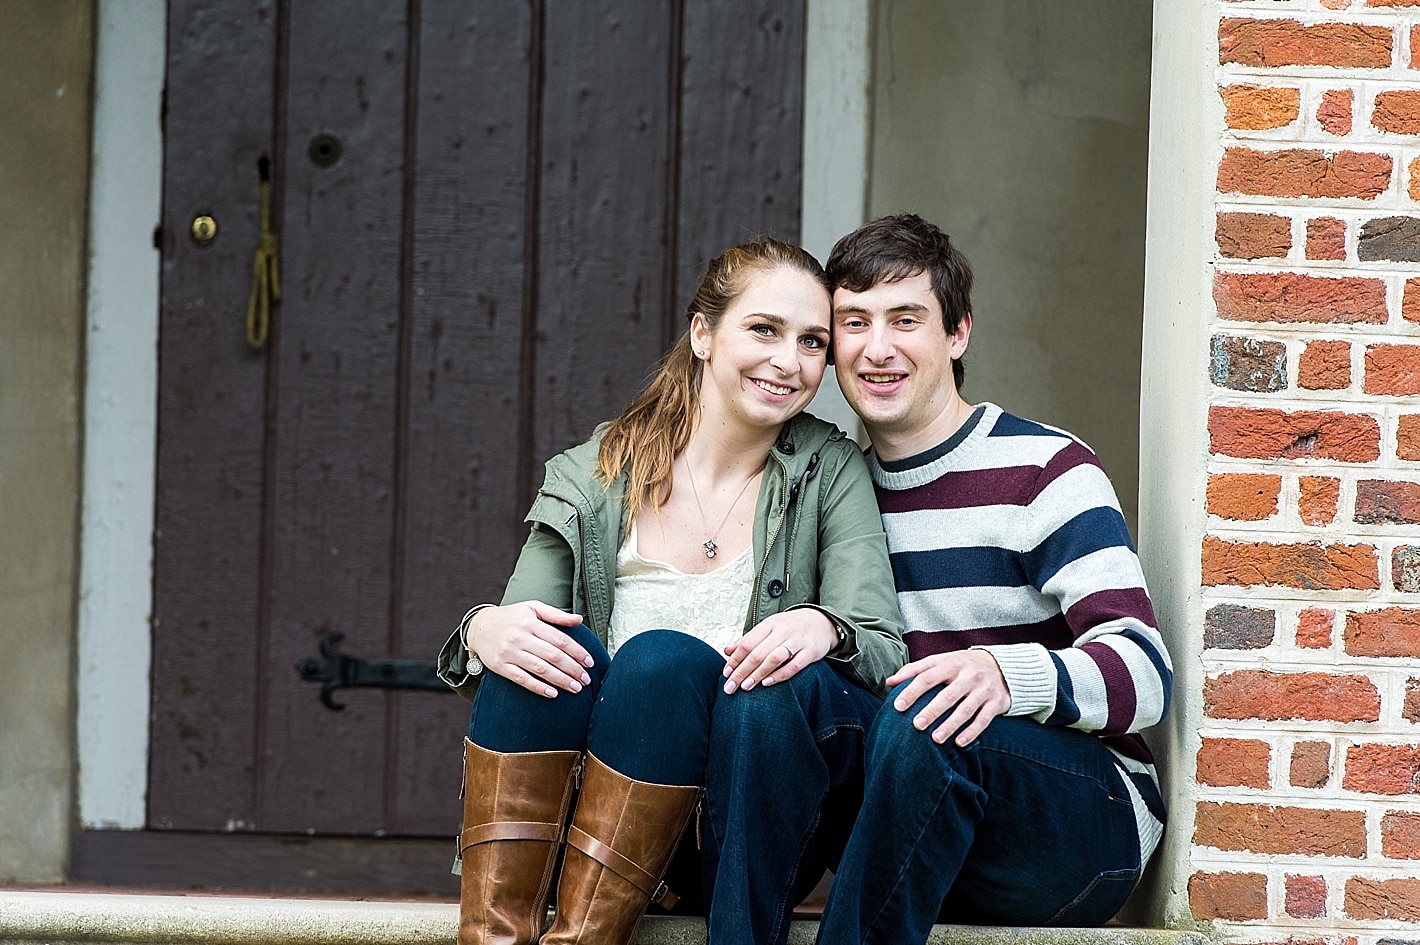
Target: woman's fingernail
586,680
589,662
729,687
768,680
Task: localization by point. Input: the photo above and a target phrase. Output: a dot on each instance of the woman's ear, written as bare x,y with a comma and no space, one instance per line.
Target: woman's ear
700,335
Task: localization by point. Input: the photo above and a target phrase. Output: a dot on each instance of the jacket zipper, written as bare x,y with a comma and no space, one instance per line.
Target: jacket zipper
773,537
795,495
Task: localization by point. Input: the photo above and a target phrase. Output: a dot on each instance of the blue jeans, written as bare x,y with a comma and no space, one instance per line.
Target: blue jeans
1028,825
781,765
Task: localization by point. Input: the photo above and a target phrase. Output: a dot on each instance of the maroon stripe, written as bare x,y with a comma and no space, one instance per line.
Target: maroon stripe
1009,485
1118,687
1130,746
1053,634
1102,606
1076,454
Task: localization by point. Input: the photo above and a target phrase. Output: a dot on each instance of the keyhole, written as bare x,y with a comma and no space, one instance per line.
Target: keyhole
324,150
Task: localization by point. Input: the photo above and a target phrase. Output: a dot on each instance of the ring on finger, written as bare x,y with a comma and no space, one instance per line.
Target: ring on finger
790,650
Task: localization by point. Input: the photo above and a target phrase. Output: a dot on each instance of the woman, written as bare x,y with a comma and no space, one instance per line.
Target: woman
785,626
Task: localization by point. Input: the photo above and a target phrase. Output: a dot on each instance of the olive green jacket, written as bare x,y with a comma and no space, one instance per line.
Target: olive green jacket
818,542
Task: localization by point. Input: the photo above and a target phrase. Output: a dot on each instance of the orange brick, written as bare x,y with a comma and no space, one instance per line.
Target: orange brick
1306,897
1311,566
1334,112
1236,897
1270,42
1260,828
1382,769
1390,631
1326,238
1397,111
1393,370
1303,173
1314,628
1316,503
1393,3
1295,297
1387,502
1415,46
1257,107
1253,235
1407,437
1400,835
1325,365
1411,707
1314,697
1247,497
1234,762
1383,899
1311,764
1410,300
1267,433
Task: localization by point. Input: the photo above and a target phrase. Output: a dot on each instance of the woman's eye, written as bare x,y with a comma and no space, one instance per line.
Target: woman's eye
765,330
815,343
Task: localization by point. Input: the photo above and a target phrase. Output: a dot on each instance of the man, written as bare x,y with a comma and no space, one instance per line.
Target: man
1005,783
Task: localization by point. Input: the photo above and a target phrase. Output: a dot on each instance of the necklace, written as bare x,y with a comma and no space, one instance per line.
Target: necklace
709,543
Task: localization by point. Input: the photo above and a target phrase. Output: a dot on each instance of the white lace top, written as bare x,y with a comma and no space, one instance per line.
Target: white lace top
653,595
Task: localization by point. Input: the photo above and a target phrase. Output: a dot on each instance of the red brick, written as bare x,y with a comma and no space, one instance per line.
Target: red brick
1261,828
1397,111
1306,897
1411,709
1390,631
1325,365
1250,42
1326,238
1268,433
1236,897
1258,107
1295,297
1253,235
1393,370
1414,187
1246,497
1314,697
1410,299
1383,899
1393,3
1415,46
1387,502
1314,628
1311,566
1382,769
1301,172
1400,835
1311,764
1336,4
1234,762
1407,437
1334,112
1316,503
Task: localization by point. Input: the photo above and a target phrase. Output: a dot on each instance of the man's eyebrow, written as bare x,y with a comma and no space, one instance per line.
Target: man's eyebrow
849,307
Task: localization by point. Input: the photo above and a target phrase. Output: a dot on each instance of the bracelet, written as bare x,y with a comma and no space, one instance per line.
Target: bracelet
474,666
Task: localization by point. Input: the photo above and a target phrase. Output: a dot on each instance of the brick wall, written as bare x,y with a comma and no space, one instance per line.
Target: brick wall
1308,776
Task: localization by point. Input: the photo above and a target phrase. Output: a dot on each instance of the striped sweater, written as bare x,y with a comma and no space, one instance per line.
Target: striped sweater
1008,537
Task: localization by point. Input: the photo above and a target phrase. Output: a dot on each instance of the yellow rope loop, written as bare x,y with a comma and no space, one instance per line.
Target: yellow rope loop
265,277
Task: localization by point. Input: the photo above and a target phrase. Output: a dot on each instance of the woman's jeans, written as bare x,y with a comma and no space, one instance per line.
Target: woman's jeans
1028,825
781,765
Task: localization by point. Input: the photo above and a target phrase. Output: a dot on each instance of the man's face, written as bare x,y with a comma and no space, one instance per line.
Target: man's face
894,359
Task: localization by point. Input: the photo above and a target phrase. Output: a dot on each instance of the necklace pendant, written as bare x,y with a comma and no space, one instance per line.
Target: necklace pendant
709,547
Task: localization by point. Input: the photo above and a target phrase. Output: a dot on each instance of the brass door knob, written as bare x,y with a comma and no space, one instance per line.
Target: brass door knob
204,229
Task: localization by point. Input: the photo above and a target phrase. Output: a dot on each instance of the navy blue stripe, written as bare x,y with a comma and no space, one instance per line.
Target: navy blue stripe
1092,530
980,566
1157,659
1010,425
1066,711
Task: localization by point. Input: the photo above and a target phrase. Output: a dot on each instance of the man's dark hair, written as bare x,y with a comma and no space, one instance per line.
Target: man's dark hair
899,247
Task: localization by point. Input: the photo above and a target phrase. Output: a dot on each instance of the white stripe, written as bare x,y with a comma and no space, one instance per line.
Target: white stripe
1087,685
1108,569
1079,489
999,452
972,608
998,526
1150,828
1148,687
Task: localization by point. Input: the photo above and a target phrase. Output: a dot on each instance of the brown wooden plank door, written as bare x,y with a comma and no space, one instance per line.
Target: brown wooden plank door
489,214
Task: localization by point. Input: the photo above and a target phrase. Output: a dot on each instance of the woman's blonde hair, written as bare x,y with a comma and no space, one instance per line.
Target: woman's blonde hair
645,440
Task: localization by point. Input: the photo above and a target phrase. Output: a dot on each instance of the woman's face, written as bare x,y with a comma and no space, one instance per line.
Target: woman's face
764,361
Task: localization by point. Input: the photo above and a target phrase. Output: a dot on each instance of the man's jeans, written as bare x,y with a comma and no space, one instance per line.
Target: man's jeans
781,765
1028,825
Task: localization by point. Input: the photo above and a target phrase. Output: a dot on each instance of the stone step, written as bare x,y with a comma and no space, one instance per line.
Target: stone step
60,918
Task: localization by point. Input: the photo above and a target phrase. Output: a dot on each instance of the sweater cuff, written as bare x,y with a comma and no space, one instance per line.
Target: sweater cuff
1029,673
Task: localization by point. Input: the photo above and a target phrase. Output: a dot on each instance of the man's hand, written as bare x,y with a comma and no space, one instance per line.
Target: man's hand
970,680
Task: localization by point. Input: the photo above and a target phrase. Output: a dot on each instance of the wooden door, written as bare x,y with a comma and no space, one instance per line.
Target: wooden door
523,198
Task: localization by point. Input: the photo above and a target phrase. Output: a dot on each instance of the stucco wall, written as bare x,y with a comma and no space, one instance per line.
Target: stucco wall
45,62
1021,128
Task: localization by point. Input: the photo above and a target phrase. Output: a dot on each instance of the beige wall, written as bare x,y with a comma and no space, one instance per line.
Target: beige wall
1021,128
45,65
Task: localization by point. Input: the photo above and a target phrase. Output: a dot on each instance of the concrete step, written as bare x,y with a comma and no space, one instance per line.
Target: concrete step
60,918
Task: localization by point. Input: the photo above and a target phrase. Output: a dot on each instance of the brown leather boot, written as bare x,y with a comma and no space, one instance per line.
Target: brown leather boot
514,807
620,844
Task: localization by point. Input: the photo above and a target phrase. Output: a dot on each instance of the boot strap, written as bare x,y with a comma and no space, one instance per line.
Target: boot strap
621,866
510,830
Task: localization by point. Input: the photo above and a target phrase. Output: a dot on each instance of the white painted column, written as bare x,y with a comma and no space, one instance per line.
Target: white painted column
837,123
120,415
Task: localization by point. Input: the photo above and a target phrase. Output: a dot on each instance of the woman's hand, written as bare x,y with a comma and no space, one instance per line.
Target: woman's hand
778,647
521,643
